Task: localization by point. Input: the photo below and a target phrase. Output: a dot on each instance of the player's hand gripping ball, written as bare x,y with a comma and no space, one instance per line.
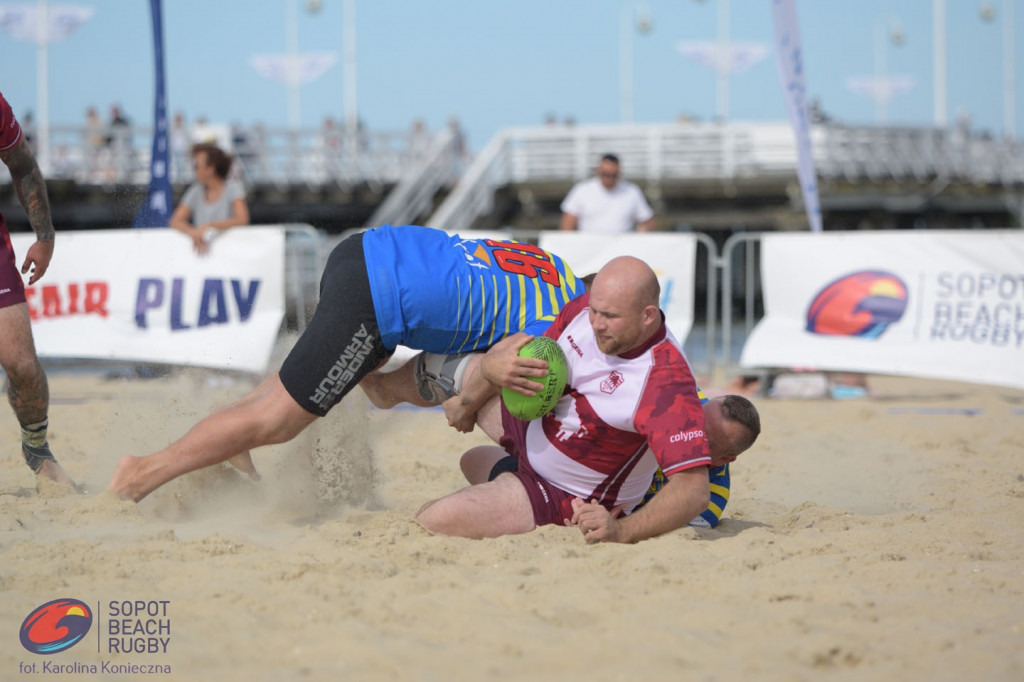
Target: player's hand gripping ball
549,391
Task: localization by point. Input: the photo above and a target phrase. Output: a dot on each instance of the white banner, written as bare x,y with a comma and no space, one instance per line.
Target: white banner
672,257
144,295
22,21
789,57
936,304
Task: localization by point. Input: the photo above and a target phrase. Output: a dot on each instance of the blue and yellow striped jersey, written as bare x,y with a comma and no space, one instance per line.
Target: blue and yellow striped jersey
491,288
718,478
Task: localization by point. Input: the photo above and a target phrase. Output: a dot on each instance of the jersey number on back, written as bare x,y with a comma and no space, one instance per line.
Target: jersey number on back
524,259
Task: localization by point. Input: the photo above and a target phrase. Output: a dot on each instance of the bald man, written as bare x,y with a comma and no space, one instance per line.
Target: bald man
630,407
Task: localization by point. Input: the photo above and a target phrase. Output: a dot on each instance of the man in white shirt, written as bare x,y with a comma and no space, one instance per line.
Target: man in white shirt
605,203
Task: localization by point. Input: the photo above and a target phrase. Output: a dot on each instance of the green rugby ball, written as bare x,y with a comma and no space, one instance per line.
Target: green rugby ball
549,388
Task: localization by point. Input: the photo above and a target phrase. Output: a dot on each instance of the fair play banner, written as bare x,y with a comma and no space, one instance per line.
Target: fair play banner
671,256
935,304
144,295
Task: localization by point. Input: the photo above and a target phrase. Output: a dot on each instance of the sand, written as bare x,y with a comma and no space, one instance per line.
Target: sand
871,539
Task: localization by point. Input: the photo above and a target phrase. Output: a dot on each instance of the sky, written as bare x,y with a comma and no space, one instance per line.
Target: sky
496,64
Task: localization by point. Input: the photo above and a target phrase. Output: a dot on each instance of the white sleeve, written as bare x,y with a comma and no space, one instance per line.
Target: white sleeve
571,203
642,211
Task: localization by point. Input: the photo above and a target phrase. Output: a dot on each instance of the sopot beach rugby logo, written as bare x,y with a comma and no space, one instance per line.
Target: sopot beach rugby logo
860,304
56,626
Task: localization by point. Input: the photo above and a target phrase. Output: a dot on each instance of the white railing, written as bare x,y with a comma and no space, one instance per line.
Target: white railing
413,196
694,152
274,156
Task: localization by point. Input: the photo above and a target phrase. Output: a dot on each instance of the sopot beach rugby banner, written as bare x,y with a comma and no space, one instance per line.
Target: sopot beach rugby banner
942,304
144,295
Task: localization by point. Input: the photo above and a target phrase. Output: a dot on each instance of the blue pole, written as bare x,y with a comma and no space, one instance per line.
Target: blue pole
156,211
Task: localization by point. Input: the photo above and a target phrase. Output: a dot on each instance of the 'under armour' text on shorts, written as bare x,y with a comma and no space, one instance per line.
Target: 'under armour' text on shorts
342,343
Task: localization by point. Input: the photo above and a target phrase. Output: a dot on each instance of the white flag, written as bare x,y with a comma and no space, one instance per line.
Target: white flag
880,89
735,58
293,69
22,21
789,57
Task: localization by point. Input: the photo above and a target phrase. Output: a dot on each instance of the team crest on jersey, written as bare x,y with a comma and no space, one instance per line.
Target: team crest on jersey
478,257
613,381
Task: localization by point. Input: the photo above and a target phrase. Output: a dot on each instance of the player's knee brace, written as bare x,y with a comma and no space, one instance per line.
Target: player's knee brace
439,377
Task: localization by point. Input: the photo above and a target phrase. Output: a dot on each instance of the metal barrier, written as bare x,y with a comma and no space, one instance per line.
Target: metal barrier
712,261
749,278
303,262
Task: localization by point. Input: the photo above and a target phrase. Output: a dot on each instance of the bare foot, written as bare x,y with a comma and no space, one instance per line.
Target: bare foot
124,476
243,462
55,472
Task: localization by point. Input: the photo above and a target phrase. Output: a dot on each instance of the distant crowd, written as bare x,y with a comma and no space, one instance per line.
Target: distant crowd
105,151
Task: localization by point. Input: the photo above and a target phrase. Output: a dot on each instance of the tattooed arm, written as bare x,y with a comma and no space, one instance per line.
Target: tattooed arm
31,190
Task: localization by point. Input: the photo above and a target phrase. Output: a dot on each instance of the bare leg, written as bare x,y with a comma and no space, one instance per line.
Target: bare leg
489,418
27,388
385,390
476,463
488,510
267,416
243,462
476,404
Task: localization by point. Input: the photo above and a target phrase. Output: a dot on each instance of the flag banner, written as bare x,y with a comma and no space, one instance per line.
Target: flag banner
880,89
735,58
933,304
672,257
21,21
790,61
156,210
144,295
293,69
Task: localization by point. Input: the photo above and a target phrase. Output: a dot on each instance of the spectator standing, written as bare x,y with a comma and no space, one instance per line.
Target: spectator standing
419,138
330,150
95,139
179,146
213,203
606,203
28,129
119,142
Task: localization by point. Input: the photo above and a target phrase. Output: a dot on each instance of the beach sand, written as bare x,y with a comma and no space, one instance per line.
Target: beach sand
879,538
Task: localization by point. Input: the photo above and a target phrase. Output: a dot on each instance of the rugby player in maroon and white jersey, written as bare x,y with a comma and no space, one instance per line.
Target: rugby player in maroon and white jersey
630,406
27,388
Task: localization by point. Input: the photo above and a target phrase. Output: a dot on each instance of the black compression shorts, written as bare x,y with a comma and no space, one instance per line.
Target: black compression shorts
342,343
506,465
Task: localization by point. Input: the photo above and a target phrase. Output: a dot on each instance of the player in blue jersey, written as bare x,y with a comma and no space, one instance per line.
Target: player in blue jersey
406,285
